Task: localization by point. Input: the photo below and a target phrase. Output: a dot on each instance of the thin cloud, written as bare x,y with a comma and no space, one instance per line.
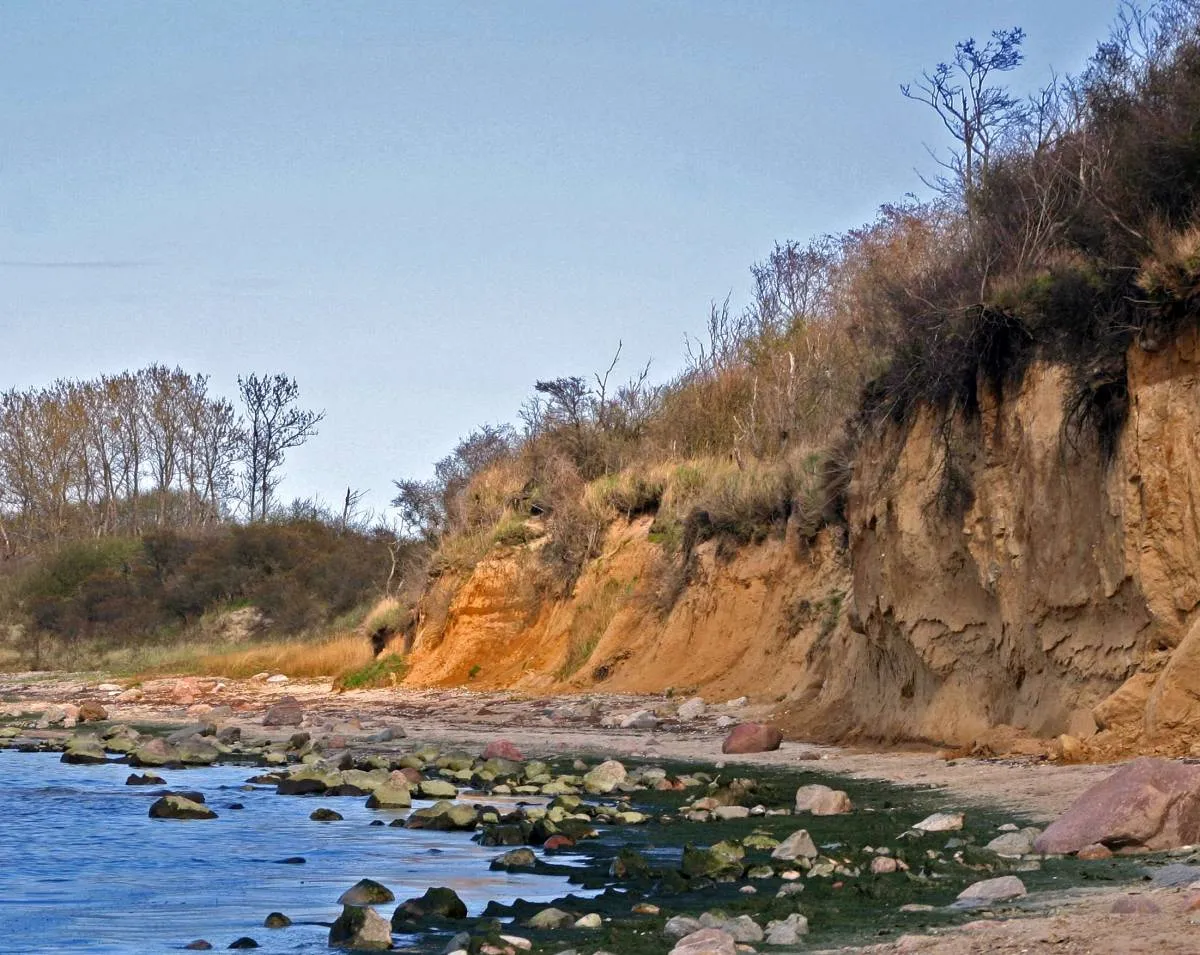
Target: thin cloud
72,264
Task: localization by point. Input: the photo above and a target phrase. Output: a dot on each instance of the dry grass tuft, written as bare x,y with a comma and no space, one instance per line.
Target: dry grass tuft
298,659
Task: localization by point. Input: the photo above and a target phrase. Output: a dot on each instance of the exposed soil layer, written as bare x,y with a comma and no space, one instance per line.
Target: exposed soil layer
997,573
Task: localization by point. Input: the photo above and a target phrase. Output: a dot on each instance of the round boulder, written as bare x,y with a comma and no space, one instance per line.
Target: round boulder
752,738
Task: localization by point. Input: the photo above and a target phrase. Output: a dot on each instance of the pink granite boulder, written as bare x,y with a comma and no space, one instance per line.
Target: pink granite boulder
1149,804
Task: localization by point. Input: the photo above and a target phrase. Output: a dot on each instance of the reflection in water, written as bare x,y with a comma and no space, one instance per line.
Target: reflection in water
84,868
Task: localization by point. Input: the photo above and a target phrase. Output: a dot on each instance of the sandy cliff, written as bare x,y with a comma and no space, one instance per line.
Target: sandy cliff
995,571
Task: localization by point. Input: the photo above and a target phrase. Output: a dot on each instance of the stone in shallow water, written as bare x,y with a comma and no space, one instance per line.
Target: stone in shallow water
366,892
437,902
360,929
326,815
172,806
244,942
516,859
277,920
200,945
551,918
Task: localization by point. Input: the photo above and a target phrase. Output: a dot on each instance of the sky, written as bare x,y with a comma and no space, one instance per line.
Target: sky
418,209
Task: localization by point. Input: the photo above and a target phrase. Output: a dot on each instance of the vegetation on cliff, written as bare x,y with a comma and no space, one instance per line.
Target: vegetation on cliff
1062,229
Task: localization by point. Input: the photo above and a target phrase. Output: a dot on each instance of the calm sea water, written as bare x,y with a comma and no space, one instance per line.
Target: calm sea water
84,869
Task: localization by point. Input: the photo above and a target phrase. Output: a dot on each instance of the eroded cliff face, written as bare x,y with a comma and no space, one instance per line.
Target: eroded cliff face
996,570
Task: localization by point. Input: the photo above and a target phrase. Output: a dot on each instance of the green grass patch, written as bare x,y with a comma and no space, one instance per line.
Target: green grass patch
385,671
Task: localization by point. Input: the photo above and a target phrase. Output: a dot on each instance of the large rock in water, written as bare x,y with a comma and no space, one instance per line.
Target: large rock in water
287,712
437,902
155,752
84,749
1146,804
366,892
172,806
360,929
752,738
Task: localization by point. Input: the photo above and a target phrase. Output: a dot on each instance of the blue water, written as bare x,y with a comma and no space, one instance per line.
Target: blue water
84,869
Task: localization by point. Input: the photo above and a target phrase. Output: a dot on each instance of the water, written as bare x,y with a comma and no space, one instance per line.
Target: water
84,868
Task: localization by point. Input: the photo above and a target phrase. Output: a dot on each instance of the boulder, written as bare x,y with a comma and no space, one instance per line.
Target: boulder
437,902
515,859
276,920
680,925
707,941
173,806
641,720
389,796
752,738
691,709
722,861
366,892
287,712
822,801
155,752
84,749
145,779
444,817
92,711
551,919
799,845
991,890
503,749
197,751
361,929
437,789
787,931
1013,845
1149,803
327,815
604,778
941,822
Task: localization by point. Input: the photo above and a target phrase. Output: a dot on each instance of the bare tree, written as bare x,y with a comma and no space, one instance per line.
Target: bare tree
274,425
977,113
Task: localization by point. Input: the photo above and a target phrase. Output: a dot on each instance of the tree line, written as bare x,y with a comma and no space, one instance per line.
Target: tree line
153,448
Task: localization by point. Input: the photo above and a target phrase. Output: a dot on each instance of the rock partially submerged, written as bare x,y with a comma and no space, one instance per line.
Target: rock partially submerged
84,749
437,902
360,928
174,806
366,892
1150,804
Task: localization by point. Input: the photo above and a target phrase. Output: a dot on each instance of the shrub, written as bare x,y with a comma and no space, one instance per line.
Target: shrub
387,670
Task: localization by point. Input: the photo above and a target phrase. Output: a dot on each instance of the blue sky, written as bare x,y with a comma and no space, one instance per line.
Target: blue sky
417,209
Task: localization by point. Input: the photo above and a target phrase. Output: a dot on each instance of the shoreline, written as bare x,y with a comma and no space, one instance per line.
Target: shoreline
1075,922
